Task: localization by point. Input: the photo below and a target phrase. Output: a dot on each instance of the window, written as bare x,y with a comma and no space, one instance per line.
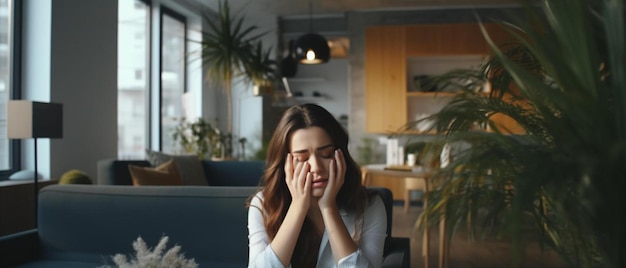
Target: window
9,60
150,96
173,73
133,87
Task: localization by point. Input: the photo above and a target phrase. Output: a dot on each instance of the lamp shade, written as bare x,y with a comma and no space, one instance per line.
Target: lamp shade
312,48
30,119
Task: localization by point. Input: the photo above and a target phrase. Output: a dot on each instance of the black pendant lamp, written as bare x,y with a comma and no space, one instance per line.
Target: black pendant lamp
312,48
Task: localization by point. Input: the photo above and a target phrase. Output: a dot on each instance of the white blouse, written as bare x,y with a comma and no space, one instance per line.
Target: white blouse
368,254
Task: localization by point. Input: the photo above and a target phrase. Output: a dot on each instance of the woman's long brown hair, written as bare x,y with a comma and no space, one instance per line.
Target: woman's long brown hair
277,198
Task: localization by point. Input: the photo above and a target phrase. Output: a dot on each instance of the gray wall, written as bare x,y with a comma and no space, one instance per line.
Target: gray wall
83,75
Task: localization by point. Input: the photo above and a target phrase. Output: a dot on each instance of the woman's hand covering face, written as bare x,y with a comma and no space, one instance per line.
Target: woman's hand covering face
336,177
298,179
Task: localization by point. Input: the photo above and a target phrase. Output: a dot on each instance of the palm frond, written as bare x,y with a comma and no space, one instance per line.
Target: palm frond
563,83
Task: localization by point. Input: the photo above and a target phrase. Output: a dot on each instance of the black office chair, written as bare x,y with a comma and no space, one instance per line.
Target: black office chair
397,251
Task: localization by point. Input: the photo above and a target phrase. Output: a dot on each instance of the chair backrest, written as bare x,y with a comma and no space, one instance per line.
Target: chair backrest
387,196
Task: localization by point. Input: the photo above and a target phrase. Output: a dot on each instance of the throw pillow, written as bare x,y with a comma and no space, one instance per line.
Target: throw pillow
189,166
164,174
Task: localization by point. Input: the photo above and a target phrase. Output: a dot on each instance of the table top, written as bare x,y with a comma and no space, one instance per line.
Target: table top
383,169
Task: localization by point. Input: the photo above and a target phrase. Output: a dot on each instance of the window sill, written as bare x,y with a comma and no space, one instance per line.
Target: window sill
21,182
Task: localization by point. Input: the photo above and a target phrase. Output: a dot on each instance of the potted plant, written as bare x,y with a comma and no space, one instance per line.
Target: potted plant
565,85
195,137
261,70
226,47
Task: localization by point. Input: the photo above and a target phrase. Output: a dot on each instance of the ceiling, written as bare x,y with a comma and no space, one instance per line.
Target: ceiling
301,7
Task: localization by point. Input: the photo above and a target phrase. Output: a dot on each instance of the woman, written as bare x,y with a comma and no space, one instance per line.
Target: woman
312,210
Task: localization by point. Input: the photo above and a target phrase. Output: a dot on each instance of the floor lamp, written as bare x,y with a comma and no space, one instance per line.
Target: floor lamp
30,119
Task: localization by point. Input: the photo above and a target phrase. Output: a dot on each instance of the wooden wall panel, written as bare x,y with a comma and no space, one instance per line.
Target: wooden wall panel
451,39
385,79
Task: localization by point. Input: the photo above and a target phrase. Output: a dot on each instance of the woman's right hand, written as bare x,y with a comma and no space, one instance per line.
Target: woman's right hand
298,178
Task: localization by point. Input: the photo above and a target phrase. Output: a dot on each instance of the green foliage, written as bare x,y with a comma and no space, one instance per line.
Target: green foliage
562,179
261,153
200,138
229,51
227,45
366,151
260,68
75,176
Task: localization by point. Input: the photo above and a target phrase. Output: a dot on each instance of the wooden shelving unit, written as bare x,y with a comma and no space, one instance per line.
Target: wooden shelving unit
387,50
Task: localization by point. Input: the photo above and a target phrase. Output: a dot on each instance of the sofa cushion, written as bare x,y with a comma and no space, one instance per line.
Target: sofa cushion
164,174
234,173
189,166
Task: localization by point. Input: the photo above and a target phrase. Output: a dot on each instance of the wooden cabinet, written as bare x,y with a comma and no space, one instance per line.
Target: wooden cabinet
385,78
387,49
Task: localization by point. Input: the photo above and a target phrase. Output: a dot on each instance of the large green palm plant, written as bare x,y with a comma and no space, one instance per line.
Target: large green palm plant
226,47
563,178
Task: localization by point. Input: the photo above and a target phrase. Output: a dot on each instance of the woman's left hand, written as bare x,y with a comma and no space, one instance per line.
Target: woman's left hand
336,177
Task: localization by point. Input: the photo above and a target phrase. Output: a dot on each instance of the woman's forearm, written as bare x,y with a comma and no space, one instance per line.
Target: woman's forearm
340,240
286,238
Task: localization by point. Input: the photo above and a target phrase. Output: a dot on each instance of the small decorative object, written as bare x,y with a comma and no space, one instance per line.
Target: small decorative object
394,155
411,159
424,83
423,122
157,258
242,142
75,176
417,149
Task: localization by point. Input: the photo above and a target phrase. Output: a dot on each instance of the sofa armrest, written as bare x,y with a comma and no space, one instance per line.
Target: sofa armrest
399,253
19,248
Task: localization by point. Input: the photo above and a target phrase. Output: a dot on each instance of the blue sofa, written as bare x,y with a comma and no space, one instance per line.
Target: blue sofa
84,225
218,173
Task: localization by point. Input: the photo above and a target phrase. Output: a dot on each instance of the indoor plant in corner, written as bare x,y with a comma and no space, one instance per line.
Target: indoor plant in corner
226,46
563,178
261,70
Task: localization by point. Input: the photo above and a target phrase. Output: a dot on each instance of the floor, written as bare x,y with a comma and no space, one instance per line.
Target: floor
463,253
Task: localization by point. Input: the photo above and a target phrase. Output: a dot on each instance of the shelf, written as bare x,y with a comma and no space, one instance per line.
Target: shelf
306,79
310,98
436,93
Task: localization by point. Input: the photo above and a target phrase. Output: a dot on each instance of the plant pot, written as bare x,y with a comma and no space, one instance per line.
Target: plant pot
262,89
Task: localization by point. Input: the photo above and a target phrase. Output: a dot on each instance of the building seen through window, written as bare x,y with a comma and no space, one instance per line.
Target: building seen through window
133,85
5,82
